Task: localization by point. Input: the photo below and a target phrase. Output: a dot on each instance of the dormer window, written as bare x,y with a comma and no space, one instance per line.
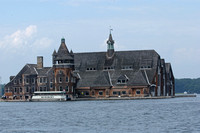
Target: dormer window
122,79
91,69
109,68
145,67
127,68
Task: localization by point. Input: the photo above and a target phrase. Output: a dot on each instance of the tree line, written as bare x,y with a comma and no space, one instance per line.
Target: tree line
188,85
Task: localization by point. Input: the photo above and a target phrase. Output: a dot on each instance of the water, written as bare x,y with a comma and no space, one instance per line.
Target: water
117,116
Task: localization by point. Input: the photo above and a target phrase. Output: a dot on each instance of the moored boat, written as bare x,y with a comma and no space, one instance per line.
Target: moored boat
49,96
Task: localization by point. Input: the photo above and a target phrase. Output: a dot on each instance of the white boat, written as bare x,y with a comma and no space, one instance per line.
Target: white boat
49,96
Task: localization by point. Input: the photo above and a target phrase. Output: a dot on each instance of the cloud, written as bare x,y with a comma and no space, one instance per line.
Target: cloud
22,41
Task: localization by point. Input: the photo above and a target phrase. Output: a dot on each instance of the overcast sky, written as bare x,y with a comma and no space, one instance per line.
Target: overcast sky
31,28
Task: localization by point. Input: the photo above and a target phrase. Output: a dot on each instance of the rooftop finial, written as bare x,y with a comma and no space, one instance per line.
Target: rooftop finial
62,40
110,29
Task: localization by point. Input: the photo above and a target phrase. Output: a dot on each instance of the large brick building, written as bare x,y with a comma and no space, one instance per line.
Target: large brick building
140,73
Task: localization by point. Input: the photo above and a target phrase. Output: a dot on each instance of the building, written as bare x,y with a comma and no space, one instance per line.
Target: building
136,73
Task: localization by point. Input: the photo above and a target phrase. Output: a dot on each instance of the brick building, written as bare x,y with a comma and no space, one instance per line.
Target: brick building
135,73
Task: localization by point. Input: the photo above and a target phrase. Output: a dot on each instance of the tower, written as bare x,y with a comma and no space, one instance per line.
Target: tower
110,46
63,65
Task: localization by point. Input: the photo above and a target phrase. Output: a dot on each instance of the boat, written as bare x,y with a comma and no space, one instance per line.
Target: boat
49,96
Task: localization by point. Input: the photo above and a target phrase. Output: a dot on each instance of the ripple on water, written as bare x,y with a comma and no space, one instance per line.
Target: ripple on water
149,116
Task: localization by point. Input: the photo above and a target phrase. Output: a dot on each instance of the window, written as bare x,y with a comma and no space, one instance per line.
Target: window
51,85
123,92
33,80
109,68
60,80
20,80
121,81
40,80
114,93
66,89
138,92
27,89
44,80
15,90
100,93
20,89
145,67
40,88
15,81
61,89
33,89
60,72
87,93
27,80
91,69
127,68
67,79
72,88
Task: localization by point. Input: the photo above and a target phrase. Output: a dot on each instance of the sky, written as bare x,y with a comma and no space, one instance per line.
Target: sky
31,28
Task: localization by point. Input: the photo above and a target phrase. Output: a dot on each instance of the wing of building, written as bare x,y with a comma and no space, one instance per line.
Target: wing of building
134,73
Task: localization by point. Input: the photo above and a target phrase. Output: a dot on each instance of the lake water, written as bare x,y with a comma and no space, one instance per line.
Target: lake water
116,116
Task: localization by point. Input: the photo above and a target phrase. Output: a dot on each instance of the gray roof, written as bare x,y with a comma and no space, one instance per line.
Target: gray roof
31,69
63,53
100,77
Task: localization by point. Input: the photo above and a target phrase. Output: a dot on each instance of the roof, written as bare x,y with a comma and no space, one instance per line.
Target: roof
31,69
63,53
101,77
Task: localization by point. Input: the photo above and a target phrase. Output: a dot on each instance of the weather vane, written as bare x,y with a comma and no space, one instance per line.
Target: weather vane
111,29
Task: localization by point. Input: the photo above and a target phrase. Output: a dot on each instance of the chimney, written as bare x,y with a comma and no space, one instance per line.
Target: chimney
40,62
12,77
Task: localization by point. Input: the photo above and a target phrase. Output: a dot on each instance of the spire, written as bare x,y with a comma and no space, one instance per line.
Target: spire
63,48
54,52
110,41
110,44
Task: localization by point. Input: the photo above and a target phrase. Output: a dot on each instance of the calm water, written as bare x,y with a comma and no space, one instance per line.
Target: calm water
148,116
